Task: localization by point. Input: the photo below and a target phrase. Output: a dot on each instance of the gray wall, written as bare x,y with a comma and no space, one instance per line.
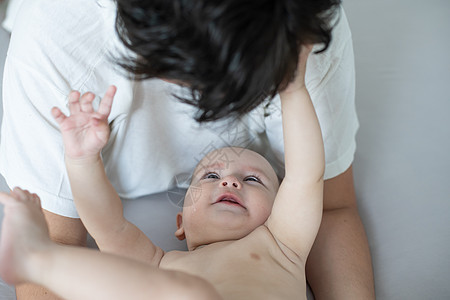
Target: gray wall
6,292
4,41
402,161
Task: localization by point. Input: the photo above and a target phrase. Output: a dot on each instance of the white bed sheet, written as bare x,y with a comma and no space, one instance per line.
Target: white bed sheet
401,166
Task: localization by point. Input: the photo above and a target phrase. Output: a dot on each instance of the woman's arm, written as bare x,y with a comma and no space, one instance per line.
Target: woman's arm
339,265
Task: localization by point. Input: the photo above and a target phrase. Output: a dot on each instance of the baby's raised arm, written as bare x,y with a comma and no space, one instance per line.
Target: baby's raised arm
297,211
85,132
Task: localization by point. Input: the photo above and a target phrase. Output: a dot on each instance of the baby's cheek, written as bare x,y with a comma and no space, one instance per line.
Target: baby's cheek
194,195
264,212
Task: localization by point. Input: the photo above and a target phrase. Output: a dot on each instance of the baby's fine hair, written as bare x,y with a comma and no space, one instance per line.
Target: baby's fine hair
233,54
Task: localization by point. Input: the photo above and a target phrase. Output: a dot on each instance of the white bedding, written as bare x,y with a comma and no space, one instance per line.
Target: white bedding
401,166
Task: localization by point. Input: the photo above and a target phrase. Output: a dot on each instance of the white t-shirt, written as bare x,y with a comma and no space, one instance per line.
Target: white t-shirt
59,46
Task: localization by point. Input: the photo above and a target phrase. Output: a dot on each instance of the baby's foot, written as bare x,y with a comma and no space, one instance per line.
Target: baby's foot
24,233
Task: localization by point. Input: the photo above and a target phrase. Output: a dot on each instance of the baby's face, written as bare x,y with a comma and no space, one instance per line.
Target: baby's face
231,194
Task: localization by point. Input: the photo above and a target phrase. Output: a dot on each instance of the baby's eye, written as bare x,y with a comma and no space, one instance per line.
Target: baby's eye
211,175
252,178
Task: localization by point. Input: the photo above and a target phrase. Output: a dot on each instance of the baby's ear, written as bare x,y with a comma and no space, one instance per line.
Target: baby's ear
179,233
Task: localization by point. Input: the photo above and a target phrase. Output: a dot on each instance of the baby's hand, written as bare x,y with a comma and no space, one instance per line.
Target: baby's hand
299,81
85,132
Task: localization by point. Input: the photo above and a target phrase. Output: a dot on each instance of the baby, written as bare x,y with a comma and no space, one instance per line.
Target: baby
248,237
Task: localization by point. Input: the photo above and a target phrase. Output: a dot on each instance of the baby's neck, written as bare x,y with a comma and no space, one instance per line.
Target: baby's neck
194,248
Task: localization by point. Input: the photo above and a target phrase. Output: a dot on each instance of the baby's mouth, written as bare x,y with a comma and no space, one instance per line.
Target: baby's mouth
230,199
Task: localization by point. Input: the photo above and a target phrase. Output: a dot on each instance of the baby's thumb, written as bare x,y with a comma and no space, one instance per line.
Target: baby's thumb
101,130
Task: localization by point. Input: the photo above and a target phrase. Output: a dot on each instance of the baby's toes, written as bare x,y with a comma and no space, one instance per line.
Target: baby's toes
21,195
36,200
18,194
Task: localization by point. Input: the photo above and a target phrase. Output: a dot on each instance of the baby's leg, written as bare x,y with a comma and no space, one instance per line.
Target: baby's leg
28,255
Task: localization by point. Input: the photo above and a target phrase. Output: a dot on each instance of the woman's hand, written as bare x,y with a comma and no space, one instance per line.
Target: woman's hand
85,132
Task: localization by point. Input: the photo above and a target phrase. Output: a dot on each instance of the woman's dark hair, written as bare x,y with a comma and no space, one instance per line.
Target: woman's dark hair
233,54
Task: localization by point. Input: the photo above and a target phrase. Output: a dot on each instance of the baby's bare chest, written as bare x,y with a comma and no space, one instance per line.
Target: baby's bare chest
243,269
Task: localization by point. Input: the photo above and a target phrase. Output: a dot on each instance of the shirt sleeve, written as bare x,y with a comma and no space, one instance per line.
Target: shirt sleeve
330,79
11,12
31,150
51,52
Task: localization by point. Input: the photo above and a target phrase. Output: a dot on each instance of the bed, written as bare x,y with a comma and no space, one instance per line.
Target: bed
402,162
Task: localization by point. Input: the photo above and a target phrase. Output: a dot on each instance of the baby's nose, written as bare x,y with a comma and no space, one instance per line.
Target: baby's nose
231,181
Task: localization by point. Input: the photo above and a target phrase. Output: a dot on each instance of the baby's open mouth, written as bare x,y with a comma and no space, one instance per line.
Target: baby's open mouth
230,199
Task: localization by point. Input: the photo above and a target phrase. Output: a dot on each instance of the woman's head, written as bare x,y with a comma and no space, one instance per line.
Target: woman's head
233,54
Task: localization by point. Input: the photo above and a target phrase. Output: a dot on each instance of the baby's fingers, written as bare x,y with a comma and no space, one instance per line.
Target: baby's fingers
74,103
86,102
105,105
58,115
